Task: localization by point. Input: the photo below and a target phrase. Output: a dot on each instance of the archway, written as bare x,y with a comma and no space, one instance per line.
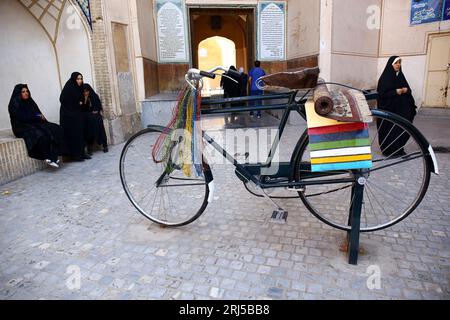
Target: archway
235,24
215,51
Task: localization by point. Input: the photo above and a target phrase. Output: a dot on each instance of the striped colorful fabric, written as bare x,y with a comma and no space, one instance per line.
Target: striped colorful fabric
337,145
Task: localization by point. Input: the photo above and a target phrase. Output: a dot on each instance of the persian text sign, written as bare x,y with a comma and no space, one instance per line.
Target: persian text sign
172,31
446,13
425,11
271,30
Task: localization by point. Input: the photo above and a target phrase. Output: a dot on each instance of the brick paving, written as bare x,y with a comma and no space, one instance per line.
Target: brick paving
55,225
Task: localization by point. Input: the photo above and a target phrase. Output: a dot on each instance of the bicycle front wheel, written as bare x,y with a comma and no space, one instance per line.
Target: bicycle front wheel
395,185
169,199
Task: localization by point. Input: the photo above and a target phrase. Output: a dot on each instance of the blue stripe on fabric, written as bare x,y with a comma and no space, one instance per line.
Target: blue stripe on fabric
196,161
360,134
341,166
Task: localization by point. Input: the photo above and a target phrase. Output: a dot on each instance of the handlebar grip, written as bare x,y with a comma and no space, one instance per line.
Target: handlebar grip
207,74
233,73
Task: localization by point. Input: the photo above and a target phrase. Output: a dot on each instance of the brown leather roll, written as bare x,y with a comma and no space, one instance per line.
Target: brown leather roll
300,78
323,103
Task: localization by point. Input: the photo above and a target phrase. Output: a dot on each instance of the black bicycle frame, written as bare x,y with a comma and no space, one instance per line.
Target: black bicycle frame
243,170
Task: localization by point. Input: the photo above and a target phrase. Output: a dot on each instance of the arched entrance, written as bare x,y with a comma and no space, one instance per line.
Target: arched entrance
234,24
215,51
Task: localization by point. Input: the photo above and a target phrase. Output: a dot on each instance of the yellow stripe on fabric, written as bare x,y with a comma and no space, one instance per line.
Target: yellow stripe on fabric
314,120
341,159
187,155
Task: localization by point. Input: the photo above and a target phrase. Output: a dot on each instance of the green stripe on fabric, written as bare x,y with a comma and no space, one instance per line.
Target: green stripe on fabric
339,144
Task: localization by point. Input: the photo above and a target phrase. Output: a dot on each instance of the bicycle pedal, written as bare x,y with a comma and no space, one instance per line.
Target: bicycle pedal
279,216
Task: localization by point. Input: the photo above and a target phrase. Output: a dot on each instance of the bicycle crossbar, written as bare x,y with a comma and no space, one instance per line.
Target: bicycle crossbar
303,184
247,109
209,102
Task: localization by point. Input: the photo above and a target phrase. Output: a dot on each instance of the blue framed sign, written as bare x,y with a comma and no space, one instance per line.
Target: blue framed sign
426,11
446,11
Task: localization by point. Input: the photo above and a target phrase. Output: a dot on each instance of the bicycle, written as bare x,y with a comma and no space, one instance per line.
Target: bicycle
355,201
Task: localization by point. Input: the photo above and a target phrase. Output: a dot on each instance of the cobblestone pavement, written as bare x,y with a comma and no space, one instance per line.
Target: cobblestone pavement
55,225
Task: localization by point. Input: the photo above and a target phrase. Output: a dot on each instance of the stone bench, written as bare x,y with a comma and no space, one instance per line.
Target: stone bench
14,160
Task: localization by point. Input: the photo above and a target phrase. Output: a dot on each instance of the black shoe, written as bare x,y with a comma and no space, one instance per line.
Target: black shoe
105,149
86,156
89,150
78,159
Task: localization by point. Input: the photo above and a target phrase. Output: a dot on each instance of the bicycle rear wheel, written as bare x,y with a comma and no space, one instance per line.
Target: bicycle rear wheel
169,199
395,185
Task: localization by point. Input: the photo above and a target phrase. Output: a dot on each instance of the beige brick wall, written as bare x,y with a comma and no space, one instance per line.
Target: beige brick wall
100,58
14,160
118,127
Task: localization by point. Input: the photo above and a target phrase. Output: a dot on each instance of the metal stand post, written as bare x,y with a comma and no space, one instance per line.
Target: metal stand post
355,220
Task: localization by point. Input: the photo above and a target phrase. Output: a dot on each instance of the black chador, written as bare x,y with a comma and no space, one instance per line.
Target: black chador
392,138
94,129
44,140
71,118
231,89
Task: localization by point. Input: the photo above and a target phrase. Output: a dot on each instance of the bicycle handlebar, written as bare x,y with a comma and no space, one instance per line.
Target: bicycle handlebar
208,74
197,74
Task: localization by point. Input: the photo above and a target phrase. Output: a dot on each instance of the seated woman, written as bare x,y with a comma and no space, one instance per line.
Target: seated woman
394,95
92,110
44,140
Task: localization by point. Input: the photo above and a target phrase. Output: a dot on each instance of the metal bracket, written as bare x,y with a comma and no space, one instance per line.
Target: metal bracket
355,220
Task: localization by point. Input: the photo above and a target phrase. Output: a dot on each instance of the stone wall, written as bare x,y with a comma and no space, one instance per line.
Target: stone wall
99,56
112,54
14,160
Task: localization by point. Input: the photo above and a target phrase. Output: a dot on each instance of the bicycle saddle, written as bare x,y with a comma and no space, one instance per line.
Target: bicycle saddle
301,78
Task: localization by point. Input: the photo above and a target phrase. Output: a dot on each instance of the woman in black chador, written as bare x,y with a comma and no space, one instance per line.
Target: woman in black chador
44,140
91,107
394,95
231,89
71,118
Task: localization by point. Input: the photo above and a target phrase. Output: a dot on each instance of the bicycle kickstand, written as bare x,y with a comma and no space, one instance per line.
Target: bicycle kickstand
279,215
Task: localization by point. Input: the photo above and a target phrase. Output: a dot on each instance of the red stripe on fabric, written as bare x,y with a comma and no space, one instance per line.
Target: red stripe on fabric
338,128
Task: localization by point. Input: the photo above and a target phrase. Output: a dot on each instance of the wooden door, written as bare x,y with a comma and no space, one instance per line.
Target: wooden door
437,88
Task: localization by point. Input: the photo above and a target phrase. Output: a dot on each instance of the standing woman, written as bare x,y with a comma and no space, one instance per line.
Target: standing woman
394,95
71,118
93,113
44,140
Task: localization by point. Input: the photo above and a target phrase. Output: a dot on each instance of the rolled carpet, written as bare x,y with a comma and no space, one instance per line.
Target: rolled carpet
323,103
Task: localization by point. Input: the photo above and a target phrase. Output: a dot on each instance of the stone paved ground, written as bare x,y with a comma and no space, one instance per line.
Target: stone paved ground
55,225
